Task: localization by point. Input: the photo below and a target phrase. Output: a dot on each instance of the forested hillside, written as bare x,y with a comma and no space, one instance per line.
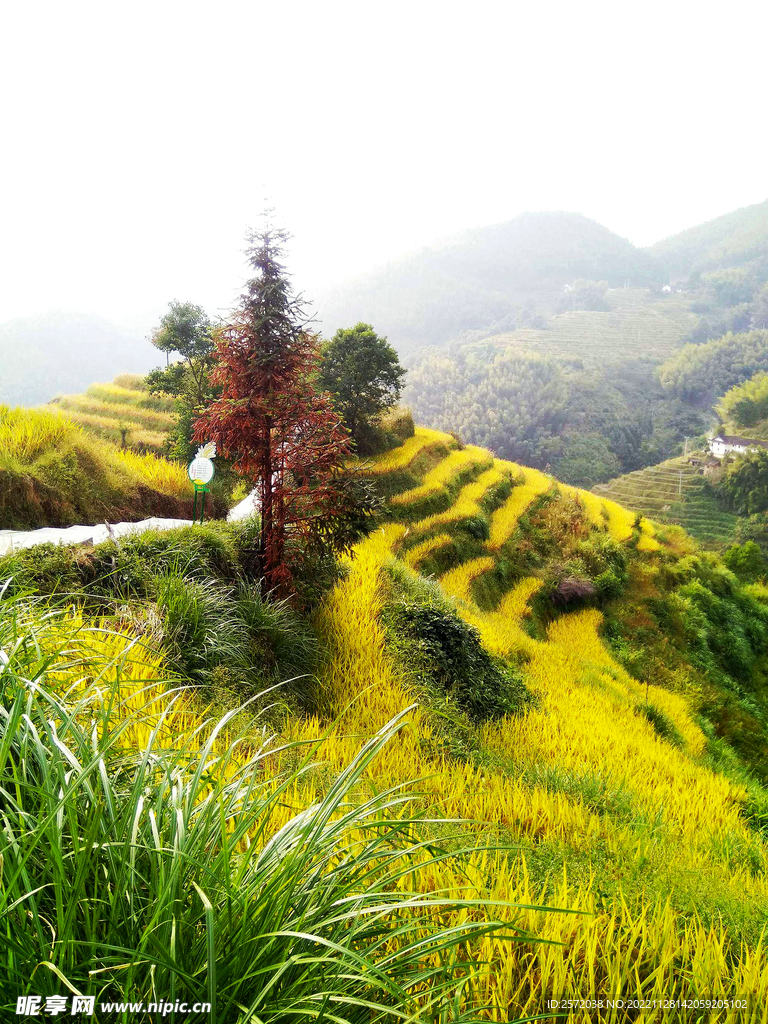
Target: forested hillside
587,718
734,240
702,373
619,377
581,396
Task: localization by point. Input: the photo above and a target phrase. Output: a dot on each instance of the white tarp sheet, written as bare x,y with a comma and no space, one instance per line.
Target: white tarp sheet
243,509
14,540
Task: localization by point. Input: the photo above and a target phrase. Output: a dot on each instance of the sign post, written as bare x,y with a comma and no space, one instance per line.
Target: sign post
201,472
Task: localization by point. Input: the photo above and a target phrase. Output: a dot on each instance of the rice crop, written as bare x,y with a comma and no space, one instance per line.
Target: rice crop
458,582
634,838
158,473
189,868
587,726
403,456
451,466
674,492
117,395
111,429
131,381
420,551
593,505
620,520
111,412
26,433
504,520
468,501
647,541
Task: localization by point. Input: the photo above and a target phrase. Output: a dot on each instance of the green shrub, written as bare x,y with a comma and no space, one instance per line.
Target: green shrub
608,584
399,423
477,526
445,656
746,561
200,626
230,637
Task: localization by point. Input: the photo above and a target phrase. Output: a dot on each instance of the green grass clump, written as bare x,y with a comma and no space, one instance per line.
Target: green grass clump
443,655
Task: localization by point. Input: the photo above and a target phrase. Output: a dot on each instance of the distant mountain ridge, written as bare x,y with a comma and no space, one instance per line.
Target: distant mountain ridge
492,279
484,275
63,351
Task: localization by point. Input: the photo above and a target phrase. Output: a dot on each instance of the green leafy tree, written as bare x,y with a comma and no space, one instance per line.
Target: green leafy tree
186,331
754,528
744,485
362,372
587,459
747,403
760,308
701,373
729,286
746,561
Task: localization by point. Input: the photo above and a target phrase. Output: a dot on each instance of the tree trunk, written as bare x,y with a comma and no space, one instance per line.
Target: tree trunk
267,582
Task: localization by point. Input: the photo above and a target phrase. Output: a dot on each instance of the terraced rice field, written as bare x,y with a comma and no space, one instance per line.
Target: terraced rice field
612,335
586,725
107,409
487,472
673,492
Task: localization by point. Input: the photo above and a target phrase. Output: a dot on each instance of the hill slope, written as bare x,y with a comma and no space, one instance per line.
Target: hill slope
733,240
583,780
637,324
52,473
579,675
674,492
581,396
122,405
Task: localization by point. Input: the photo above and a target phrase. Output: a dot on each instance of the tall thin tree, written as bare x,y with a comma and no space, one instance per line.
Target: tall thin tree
281,433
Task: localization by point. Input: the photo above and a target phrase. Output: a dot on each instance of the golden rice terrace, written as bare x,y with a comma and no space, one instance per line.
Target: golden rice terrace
611,814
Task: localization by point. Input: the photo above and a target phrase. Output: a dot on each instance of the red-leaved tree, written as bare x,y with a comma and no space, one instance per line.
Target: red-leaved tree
281,433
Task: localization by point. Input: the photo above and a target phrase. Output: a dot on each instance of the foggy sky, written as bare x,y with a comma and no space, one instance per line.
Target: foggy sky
140,140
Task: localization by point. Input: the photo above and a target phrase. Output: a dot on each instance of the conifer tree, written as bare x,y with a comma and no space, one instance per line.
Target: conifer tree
280,432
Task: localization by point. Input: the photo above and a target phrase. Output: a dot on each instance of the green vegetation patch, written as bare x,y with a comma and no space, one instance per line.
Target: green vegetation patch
443,656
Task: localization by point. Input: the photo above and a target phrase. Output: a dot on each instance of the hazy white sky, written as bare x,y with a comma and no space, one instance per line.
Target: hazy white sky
139,139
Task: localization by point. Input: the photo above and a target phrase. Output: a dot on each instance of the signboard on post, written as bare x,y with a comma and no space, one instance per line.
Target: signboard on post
201,472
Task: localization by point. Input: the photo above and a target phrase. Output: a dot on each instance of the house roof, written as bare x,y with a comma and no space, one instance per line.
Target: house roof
744,442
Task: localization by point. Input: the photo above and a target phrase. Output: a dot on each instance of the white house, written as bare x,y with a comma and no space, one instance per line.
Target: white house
731,444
